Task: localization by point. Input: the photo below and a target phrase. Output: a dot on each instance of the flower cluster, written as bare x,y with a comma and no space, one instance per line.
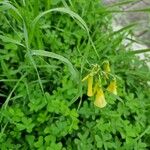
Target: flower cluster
95,80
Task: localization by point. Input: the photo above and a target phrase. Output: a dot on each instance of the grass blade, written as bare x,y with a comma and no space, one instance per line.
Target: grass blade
10,94
59,57
10,40
62,10
73,15
121,3
126,28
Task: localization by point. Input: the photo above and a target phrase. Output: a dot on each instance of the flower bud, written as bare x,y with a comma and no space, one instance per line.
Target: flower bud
90,86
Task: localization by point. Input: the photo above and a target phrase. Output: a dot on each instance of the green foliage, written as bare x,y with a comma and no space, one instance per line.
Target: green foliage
46,48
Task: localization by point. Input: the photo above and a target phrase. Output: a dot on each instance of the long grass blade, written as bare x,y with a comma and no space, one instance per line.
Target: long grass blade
62,10
58,57
10,94
128,27
10,40
73,15
121,3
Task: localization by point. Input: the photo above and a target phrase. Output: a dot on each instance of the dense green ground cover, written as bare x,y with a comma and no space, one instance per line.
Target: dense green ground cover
46,48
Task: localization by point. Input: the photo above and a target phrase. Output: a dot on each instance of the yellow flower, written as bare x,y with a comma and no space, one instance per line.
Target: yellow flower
90,86
100,98
112,87
89,79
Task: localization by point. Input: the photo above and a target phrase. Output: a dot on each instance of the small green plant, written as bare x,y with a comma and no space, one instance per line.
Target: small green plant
46,49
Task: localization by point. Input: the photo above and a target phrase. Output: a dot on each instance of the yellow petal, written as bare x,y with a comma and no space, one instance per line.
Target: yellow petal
100,99
90,86
112,87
